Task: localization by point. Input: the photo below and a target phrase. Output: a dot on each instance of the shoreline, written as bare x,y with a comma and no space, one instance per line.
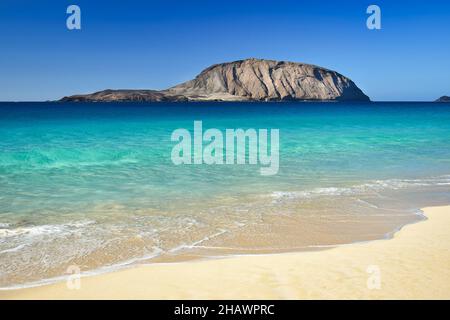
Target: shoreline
413,264
214,254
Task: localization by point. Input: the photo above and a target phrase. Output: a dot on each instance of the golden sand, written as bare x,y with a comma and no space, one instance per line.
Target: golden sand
414,264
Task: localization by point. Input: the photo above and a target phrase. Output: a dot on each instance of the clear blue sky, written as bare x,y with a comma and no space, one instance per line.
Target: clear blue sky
156,44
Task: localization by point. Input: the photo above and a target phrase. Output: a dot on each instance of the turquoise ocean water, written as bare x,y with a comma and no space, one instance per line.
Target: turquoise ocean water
93,185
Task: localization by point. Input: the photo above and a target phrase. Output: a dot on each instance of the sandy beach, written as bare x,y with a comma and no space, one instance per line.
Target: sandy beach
414,264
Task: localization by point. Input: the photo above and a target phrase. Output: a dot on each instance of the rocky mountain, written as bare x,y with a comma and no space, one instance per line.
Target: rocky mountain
247,80
443,99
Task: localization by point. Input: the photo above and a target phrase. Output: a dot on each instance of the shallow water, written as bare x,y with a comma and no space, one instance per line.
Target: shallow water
93,185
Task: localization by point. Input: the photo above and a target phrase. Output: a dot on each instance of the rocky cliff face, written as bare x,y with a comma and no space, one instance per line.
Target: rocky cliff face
262,80
247,80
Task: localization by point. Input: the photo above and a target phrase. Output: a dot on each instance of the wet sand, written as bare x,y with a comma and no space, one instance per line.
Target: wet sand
414,264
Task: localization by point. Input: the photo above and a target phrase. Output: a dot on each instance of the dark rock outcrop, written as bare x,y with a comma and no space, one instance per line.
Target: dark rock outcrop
443,99
123,96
